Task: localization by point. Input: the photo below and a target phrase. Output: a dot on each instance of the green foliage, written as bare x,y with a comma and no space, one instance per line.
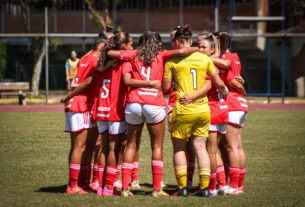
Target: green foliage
2,58
56,41
34,164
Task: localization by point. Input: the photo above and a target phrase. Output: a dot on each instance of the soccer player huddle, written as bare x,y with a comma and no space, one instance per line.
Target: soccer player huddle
117,89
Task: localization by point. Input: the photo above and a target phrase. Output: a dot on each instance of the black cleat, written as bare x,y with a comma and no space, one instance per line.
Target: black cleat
182,192
202,193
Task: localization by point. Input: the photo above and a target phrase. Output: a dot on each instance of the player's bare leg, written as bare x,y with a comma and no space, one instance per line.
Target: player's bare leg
119,154
191,163
242,161
156,132
212,148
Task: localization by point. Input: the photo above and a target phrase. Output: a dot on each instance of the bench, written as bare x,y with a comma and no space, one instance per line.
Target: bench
15,89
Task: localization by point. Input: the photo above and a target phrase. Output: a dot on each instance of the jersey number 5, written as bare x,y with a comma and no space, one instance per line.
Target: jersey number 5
194,73
106,93
147,74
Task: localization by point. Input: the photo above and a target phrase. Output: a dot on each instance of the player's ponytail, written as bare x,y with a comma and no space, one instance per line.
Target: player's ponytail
183,34
113,43
225,41
152,45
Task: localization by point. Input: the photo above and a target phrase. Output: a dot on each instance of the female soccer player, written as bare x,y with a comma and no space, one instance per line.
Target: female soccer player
238,109
191,114
79,123
146,105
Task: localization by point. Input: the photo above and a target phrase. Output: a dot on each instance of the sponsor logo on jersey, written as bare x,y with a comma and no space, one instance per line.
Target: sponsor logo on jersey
244,105
242,99
103,108
102,115
83,64
223,106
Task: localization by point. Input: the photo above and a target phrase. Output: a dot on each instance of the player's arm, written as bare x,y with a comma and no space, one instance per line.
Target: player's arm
113,54
222,63
67,72
222,88
188,98
80,88
238,86
166,84
135,83
183,51
240,79
108,64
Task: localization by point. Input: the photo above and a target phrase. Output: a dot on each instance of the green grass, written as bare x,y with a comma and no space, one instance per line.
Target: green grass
34,169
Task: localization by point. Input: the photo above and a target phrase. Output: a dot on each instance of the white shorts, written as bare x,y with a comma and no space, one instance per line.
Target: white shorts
113,128
169,117
76,122
237,118
136,113
219,128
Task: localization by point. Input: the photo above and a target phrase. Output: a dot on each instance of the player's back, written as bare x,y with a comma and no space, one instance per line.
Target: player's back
189,75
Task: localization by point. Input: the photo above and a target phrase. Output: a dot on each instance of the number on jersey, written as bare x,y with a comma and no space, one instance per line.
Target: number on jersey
194,73
106,93
147,73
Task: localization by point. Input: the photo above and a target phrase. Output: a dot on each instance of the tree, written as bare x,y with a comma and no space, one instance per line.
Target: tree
38,44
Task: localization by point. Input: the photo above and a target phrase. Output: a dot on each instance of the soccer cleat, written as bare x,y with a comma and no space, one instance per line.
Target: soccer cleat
160,193
221,190
162,184
241,190
213,192
135,184
117,184
189,185
107,192
202,192
75,190
231,191
181,192
94,185
99,191
126,193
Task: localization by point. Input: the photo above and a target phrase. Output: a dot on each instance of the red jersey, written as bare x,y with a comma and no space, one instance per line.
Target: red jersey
112,93
149,73
172,97
218,106
235,100
83,102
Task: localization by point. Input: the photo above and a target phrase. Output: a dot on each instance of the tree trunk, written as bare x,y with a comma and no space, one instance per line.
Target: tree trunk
37,70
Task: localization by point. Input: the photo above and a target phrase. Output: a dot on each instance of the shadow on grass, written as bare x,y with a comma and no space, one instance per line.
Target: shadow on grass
170,189
53,189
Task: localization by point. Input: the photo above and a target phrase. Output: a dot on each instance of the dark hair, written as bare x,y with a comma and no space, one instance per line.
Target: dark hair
210,39
113,43
142,39
108,32
98,41
183,34
150,48
225,41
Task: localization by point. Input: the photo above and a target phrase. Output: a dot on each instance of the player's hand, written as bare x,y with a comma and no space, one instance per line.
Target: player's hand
74,86
186,99
240,79
156,84
65,99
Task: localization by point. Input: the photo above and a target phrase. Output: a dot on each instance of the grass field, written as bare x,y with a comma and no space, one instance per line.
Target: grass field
34,169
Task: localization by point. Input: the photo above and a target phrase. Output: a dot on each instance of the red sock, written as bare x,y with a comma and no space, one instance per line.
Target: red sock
135,171
212,185
83,177
226,166
157,171
241,177
118,168
190,171
95,172
234,176
74,169
221,176
110,176
101,169
126,173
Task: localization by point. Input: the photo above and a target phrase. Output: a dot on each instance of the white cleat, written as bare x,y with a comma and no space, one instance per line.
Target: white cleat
135,185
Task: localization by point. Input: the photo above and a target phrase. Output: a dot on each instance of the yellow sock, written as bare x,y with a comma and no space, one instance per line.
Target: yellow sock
204,175
181,176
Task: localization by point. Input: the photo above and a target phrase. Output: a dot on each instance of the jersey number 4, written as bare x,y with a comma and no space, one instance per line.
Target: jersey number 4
194,74
105,94
147,73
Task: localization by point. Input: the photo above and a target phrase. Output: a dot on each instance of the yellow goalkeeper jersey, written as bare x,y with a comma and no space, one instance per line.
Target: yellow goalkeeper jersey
189,75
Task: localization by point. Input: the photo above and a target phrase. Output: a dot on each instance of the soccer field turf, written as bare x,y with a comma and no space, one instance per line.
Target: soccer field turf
34,166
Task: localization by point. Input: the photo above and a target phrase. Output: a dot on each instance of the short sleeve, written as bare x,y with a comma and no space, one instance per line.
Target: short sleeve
127,54
168,70
67,64
211,67
126,68
165,55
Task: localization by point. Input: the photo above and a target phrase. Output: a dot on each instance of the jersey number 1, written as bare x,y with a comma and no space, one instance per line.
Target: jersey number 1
106,93
147,74
194,73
